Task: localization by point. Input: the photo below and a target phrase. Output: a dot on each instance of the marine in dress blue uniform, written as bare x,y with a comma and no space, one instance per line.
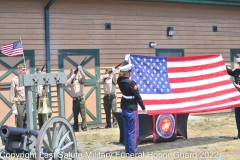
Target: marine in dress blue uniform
129,100
236,73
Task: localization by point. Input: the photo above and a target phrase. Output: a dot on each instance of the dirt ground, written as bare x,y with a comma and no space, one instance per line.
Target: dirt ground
209,137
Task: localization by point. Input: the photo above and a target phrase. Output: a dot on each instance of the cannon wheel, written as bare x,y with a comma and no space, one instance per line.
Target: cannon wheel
56,140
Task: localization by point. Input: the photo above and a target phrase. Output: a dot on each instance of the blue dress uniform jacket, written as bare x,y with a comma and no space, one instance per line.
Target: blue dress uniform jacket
130,118
236,73
129,88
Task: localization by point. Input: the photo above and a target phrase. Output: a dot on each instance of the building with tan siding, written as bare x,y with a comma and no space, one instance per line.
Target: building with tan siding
62,33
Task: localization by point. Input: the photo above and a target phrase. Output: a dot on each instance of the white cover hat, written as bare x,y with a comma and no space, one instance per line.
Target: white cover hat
126,68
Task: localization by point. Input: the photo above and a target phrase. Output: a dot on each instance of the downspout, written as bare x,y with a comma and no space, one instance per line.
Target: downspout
47,35
47,44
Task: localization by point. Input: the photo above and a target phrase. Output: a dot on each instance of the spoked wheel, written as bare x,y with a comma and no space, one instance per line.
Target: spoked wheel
56,140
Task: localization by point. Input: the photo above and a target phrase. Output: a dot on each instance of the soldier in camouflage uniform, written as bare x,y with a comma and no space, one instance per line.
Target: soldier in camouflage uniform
109,82
17,98
77,93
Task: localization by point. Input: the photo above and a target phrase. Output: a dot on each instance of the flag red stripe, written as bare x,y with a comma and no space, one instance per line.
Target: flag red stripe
197,78
194,68
193,58
214,90
204,106
17,51
187,99
183,111
201,87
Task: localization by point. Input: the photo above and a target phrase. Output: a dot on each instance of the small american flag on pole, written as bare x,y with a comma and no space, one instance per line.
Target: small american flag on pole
12,49
184,84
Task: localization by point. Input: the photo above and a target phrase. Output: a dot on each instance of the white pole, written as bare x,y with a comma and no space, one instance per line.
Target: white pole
23,54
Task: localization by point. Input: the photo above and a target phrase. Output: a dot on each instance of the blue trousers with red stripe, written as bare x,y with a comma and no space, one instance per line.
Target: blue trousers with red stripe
131,130
237,117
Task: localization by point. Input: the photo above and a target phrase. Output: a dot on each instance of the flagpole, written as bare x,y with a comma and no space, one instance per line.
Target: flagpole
23,54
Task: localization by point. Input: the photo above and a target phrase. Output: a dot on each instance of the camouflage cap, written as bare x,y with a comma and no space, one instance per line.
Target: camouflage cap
38,69
72,70
108,70
20,66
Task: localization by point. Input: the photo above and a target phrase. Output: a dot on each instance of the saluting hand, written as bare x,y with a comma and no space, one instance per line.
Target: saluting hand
127,57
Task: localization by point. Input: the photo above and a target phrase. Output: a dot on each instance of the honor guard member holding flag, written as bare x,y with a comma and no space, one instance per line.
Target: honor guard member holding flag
77,91
17,98
236,73
109,82
129,101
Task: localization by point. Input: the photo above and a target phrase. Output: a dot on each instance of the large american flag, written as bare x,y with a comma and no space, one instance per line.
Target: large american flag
12,49
184,84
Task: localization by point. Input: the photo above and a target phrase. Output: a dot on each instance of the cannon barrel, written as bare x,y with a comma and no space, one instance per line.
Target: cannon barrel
6,131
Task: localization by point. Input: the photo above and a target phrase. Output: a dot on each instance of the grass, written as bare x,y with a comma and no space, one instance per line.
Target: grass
208,138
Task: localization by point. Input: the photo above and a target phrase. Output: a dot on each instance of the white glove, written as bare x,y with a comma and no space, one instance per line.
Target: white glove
106,76
80,68
127,57
73,76
144,111
15,112
113,70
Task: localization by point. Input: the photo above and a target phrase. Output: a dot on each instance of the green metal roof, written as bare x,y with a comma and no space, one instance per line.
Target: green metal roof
205,2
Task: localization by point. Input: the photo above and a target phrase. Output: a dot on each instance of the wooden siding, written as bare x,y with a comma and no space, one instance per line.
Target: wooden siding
80,24
135,24
24,19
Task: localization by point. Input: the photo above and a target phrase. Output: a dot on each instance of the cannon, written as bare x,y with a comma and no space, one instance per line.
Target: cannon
18,140
55,139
